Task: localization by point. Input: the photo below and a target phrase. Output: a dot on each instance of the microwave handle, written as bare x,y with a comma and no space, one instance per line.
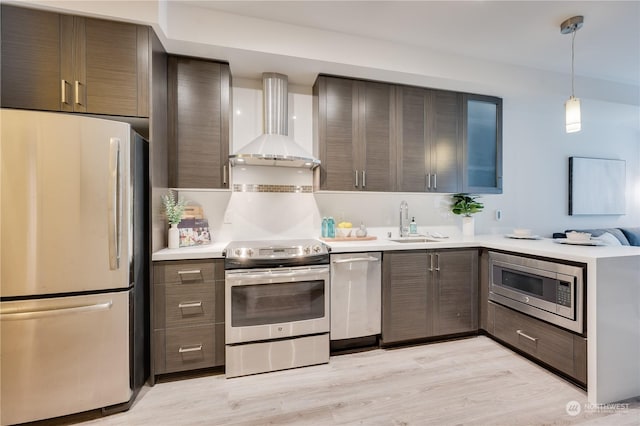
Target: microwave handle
526,269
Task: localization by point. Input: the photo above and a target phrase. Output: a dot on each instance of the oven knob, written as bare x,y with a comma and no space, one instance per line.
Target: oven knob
307,250
317,249
237,252
249,252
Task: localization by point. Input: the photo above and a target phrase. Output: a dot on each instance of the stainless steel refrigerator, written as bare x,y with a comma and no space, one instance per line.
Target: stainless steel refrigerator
73,266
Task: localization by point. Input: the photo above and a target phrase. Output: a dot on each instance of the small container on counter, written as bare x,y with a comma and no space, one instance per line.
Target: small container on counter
331,227
325,227
413,226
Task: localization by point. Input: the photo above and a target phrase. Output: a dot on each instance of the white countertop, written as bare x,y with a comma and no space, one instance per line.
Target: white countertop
543,247
209,251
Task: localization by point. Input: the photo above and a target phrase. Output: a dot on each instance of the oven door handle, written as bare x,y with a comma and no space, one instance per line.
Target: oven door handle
267,275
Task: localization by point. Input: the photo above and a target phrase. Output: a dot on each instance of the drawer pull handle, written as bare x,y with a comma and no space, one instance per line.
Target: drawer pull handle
526,336
186,275
195,348
190,305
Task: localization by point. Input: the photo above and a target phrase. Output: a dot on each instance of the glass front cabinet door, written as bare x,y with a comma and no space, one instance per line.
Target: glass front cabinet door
482,144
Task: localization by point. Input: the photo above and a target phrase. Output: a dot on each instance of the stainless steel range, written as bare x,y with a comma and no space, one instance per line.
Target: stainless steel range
276,305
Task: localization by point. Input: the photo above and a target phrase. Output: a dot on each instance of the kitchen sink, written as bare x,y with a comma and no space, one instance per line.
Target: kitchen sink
414,240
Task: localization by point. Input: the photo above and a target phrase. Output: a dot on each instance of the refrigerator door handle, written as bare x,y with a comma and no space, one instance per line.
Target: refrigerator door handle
45,313
115,205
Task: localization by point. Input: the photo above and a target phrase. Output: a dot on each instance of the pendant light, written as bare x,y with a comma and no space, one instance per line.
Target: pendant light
572,105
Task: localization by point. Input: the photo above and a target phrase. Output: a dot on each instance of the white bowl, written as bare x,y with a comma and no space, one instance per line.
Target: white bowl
578,236
521,232
343,232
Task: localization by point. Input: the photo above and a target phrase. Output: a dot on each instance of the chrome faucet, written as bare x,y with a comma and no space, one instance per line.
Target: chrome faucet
404,219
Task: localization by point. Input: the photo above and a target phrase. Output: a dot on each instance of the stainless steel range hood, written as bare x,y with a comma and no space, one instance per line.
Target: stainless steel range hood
274,147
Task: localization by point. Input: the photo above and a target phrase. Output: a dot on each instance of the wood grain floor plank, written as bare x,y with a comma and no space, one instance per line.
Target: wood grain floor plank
473,381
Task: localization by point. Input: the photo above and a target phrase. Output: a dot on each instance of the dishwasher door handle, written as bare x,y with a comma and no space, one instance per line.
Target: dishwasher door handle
357,259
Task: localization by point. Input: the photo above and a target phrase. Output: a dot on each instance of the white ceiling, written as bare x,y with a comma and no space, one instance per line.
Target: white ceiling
523,33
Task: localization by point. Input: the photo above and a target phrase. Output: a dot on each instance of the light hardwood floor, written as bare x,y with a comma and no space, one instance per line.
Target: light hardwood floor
471,381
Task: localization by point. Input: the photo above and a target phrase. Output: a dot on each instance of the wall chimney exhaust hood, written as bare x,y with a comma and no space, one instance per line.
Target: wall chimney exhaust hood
274,147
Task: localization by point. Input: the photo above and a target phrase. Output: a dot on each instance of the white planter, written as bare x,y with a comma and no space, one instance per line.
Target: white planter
468,226
174,236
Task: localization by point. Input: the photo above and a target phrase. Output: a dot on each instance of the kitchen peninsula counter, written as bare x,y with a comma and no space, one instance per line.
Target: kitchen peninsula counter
613,302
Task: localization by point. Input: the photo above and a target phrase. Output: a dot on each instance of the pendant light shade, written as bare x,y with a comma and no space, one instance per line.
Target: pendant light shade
572,105
572,114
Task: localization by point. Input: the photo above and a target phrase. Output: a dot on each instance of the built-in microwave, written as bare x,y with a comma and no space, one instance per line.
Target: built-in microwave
551,291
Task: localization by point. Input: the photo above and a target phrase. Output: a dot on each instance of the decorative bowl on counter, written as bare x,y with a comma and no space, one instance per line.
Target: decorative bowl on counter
343,232
578,236
521,232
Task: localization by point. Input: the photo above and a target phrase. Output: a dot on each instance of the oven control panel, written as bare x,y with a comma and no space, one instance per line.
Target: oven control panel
292,249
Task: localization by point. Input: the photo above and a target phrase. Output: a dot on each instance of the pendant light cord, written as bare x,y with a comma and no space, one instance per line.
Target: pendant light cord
573,39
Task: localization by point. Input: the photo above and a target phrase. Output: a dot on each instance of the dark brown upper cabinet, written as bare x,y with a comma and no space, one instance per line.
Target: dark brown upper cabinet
70,63
482,144
385,137
199,103
355,134
428,140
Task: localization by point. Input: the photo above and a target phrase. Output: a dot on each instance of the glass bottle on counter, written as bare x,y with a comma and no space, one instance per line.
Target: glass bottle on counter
331,227
325,227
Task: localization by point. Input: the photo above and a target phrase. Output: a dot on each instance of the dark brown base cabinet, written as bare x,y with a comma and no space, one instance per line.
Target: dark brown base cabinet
427,293
555,347
57,62
188,310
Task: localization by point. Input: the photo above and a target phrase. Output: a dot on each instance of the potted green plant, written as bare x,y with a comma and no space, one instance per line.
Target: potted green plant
173,209
465,205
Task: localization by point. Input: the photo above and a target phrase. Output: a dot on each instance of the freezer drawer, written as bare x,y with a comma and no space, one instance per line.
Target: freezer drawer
63,355
356,292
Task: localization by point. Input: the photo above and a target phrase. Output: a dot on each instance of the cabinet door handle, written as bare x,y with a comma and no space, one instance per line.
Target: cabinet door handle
428,181
437,262
77,84
63,92
224,174
435,181
430,262
194,348
356,178
526,336
364,178
183,305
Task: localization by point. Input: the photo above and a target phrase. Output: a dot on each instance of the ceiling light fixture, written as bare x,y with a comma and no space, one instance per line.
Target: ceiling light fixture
572,105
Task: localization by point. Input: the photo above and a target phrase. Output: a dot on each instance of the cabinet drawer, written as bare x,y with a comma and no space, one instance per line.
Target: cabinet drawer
192,272
189,348
545,342
189,305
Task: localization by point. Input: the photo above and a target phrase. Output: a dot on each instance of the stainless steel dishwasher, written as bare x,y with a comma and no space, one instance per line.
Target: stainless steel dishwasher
356,292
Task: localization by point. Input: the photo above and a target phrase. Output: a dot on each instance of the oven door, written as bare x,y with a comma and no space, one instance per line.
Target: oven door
265,304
